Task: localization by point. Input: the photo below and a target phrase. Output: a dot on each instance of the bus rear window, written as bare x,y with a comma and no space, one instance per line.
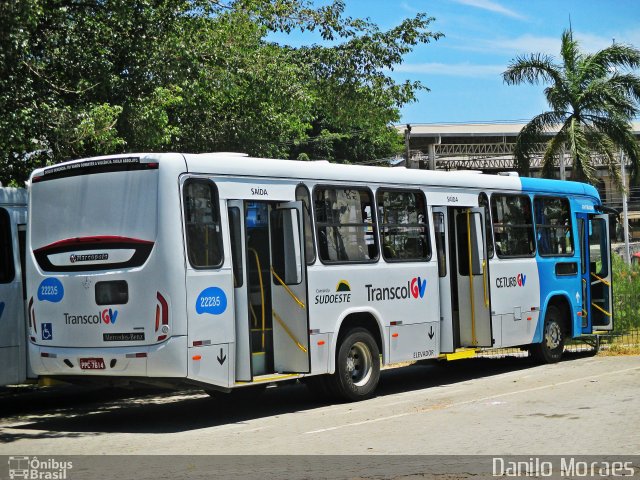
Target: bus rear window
94,222
202,224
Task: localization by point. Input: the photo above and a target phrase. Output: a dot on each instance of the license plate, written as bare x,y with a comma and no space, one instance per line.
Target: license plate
92,364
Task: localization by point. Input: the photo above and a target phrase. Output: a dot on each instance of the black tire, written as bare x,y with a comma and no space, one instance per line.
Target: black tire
357,367
553,338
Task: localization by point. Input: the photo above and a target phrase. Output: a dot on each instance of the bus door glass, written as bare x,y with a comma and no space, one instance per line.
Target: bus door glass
289,289
473,277
599,267
235,209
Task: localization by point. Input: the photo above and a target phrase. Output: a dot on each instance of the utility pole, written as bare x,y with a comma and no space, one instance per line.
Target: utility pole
625,217
563,173
407,136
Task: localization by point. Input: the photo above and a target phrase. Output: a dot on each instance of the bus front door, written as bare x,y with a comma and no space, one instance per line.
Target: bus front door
597,299
472,279
289,290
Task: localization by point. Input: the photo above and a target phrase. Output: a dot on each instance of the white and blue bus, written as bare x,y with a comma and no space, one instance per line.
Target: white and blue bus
225,271
13,336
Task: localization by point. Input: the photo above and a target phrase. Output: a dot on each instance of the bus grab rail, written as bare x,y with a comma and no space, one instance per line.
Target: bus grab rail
289,332
603,280
608,314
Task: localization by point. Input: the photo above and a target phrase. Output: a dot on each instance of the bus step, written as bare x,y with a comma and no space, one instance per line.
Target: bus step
459,354
259,363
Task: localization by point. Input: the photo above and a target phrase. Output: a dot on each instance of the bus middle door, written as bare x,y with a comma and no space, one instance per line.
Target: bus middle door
473,277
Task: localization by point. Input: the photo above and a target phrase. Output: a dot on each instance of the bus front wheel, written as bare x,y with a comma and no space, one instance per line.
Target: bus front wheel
357,366
552,345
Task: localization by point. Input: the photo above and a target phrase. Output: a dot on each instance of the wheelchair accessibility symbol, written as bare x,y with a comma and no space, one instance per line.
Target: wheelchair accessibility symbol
47,331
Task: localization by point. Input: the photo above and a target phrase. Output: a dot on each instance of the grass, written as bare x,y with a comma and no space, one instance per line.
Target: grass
617,350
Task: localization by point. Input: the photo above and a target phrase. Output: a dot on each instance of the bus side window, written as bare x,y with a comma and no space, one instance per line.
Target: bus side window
403,225
202,224
512,225
553,225
7,267
345,225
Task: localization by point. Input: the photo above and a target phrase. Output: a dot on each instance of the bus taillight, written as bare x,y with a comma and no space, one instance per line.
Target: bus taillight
162,317
32,316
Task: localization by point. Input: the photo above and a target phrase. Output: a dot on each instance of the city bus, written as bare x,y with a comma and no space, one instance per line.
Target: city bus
13,336
225,272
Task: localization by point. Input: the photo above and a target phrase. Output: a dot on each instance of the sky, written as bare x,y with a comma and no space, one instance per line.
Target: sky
463,69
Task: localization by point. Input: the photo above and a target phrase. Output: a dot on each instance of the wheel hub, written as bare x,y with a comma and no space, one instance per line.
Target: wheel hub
553,335
359,363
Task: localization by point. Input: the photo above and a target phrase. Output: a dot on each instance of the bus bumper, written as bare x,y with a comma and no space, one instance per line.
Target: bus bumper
164,360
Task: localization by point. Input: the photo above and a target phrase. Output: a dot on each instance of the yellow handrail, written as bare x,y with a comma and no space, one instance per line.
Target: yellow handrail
253,315
601,309
601,279
293,295
286,329
264,316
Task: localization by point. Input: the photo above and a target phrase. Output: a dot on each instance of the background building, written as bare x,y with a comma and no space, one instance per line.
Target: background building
488,147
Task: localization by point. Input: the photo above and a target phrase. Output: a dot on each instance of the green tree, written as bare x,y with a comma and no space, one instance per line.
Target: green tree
592,105
107,76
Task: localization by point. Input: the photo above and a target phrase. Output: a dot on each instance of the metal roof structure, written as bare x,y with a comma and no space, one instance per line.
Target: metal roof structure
477,146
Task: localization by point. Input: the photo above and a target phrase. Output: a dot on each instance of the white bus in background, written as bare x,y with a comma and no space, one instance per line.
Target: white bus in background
13,345
225,271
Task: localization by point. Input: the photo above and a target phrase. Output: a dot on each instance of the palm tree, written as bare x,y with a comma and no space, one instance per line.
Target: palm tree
592,105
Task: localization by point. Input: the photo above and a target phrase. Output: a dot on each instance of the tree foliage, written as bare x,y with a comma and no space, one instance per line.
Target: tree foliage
92,77
593,98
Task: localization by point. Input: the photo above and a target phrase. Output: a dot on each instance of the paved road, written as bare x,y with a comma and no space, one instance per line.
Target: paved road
483,406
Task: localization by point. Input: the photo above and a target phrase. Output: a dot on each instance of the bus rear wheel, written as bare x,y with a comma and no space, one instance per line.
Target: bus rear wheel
553,337
357,367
